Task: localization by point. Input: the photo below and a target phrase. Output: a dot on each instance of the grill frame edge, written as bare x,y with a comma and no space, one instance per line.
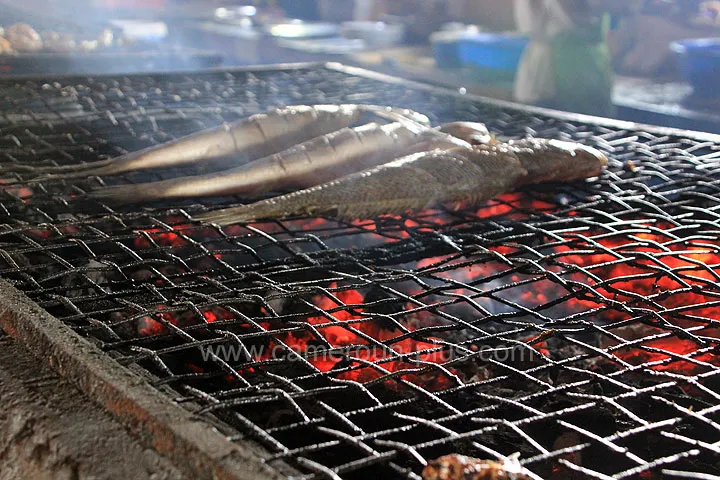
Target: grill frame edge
196,448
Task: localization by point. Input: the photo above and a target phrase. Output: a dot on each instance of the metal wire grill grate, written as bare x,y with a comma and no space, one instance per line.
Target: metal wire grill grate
574,324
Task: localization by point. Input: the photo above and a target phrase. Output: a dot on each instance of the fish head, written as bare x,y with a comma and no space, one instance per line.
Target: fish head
583,152
592,158
557,160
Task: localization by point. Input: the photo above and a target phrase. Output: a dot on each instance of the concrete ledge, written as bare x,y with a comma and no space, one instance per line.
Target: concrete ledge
197,449
50,430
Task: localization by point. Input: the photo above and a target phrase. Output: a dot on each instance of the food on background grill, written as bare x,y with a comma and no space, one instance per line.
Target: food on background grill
87,46
5,46
425,179
460,467
709,13
259,135
316,161
58,42
24,38
106,38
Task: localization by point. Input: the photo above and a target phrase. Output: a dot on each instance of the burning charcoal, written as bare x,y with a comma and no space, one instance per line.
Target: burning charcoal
121,326
146,275
476,373
460,467
287,303
386,304
78,283
560,471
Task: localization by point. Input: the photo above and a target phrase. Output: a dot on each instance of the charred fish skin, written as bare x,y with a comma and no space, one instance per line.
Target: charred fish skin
316,161
410,183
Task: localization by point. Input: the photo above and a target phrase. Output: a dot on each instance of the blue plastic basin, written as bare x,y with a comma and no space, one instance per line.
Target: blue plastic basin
446,54
699,61
492,51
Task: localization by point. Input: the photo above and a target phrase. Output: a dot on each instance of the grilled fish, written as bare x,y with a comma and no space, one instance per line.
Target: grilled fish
316,161
258,135
424,179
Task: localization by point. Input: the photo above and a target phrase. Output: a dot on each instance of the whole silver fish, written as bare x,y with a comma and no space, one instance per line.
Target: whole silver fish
258,135
316,161
425,179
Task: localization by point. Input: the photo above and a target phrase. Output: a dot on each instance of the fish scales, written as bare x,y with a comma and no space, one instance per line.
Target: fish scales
412,182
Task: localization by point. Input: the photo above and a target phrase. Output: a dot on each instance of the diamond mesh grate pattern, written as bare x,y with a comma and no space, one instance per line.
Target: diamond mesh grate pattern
574,324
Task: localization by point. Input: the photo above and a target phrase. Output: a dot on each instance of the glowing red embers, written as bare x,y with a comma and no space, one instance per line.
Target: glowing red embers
156,324
152,325
513,206
160,237
46,232
21,192
671,280
662,350
371,350
651,269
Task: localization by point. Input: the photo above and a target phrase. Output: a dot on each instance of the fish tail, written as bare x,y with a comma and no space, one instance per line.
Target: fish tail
61,172
97,169
126,194
44,169
241,214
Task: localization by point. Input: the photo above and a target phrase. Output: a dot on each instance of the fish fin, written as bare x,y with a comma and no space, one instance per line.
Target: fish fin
248,213
51,169
125,194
